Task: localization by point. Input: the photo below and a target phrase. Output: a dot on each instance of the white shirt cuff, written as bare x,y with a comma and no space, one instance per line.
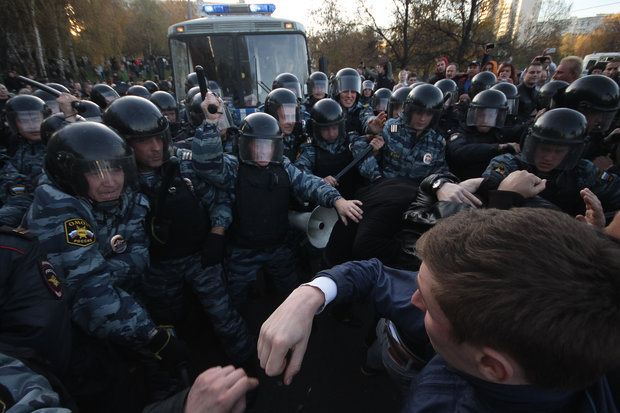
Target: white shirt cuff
327,286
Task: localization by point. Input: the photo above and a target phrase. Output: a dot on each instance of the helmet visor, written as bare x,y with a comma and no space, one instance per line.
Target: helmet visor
513,106
492,117
293,87
349,83
395,110
598,121
548,156
106,179
380,105
260,150
29,121
319,87
287,112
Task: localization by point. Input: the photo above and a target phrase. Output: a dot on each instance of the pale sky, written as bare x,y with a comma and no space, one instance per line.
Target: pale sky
300,10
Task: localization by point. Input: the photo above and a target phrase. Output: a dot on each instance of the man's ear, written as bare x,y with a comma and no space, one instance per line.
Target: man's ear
495,366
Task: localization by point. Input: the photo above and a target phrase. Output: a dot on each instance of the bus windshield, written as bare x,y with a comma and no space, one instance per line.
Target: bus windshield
243,65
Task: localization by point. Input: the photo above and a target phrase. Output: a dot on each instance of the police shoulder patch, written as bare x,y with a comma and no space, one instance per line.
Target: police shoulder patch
500,168
50,278
79,232
605,176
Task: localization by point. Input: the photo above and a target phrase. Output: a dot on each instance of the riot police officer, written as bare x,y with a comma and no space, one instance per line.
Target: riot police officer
380,99
170,109
317,89
514,129
597,97
90,224
288,81
552,150
283,105
186,226
263,182
329,152
397,100
346,90
470,149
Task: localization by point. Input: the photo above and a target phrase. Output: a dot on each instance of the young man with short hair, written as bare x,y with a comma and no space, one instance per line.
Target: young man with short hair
534,336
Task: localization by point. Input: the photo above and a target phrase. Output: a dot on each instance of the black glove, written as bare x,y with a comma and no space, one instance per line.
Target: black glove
213,250
168,349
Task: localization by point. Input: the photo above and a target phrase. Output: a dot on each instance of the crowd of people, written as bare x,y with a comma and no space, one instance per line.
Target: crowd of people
476,214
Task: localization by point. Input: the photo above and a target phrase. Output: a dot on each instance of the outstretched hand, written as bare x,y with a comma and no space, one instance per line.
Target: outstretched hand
595,216
219,390
288,329
348,209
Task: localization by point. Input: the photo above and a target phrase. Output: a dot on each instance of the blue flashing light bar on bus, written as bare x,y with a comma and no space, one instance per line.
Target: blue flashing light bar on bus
219,9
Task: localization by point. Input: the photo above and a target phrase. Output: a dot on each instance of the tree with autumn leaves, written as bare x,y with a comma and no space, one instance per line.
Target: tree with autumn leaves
36,32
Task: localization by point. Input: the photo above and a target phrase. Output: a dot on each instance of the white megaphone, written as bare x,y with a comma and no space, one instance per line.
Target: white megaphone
317,224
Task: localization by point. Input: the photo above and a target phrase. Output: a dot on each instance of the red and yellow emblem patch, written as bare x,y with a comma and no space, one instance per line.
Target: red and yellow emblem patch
50,278
79,232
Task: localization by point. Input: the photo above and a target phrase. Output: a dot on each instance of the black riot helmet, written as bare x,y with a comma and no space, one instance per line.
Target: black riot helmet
151,86
346,79
24,114
90,111
52,123
165,102
121,88
192,80
136,118
325,113
282,104
597,97
260,140
380,100
551,94
138,90
488,108
559,129
91,149
397,100
450,91
317,83
288,81
189,98
103,95
49,98
424,98
512,95
482,81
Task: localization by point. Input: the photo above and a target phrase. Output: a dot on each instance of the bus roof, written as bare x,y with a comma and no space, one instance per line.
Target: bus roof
234,24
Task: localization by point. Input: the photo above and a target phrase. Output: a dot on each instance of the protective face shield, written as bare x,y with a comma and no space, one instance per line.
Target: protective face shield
598,122
28,121
513,107
287,112
492,117
260,150
381,105
347,79
106,178
91,160
549,156
556,140
319,87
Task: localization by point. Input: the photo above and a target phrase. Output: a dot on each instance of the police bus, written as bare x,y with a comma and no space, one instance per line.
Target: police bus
241,47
